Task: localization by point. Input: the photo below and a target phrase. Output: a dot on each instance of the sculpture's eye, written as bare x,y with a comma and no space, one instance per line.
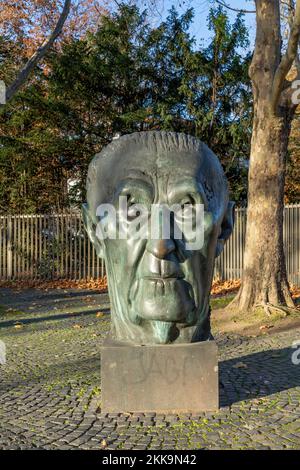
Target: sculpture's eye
187,204
133,208
133,212
187,217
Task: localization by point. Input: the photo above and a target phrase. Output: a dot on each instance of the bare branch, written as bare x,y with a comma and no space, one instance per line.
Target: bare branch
291,6
39,53
297,64
288,4
239,10
287,59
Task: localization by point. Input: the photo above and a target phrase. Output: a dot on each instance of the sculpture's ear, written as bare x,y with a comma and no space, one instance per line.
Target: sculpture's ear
90,227
226,227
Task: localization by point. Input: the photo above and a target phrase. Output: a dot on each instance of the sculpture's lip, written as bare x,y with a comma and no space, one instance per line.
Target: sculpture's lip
163,278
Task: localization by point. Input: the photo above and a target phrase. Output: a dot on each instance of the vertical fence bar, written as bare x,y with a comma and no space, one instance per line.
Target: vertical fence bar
22,247
18,247
65,228
80,249
237,223
93,262
58,247
85,241
36,249
27,249
9,248
31,253
88,259
298,243
97,267
14,241
62,246
71,246
291,211
75,249
4,247
285,238
1,247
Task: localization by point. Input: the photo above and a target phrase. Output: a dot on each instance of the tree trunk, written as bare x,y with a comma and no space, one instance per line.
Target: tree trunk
264,279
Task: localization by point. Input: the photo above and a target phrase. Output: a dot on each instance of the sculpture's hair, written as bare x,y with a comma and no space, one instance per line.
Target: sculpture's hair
159,142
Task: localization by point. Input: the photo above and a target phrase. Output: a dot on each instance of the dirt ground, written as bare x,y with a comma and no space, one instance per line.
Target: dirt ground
257,323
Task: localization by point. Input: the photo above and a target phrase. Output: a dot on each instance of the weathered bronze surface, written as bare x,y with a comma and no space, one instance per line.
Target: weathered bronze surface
159,289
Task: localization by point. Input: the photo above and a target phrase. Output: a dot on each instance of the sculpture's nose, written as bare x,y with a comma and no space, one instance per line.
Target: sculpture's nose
161,248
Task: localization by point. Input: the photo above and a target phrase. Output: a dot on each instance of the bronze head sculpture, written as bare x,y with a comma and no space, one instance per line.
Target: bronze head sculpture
159,288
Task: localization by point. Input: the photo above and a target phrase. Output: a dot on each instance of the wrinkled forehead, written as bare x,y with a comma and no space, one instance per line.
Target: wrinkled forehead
156,166
167,166
141,164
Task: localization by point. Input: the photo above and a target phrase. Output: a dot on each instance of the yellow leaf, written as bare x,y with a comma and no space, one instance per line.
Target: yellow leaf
265,327
240,365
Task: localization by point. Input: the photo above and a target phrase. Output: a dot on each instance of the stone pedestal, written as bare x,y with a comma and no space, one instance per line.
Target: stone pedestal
173,378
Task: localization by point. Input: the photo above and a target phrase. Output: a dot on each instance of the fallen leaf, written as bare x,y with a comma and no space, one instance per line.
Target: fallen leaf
225,287
265,327
77,326
240,365
99,314
98,284
103,443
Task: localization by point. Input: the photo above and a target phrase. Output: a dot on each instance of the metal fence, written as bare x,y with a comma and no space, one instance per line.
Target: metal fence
229,265
57,247
47,247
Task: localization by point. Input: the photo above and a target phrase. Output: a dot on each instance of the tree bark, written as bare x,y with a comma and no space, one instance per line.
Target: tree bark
264,279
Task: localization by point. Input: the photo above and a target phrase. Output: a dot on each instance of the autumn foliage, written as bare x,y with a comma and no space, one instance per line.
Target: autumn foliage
28,22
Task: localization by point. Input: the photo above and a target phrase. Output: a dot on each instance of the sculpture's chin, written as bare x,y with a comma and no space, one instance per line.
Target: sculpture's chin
166,300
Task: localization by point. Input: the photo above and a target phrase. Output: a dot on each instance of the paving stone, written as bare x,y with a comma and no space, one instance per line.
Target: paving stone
50,386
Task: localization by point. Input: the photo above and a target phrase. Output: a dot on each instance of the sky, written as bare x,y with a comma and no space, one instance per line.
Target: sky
201,8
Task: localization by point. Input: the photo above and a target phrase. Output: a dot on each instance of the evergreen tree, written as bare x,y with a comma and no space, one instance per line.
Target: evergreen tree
126,77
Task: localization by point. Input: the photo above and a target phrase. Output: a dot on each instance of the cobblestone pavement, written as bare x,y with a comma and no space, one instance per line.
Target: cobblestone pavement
50,396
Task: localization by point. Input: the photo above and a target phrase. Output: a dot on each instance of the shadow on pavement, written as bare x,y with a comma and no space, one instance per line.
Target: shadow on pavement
258,375
62,316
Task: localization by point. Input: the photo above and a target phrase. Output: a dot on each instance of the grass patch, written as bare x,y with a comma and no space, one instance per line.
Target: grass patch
259,316
221,302
254,322
10,311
